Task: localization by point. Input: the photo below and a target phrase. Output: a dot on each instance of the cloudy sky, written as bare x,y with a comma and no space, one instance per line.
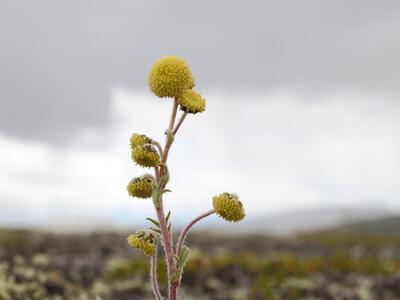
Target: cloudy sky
303,106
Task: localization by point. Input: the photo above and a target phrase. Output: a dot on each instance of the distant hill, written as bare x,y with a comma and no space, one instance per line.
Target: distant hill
355,219
385,225
309,220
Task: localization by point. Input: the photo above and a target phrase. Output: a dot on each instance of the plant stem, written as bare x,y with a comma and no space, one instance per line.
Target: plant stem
153,276
181,240
185,231
173,289
166,235
180,122
169,252
171,127
156,173
158,147
173,116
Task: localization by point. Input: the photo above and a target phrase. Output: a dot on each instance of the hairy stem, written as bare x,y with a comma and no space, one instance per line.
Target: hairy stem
153,276
173,116
174,285
156,173
166,235
168,248
183,117
171,127
158,147
173,289
185,231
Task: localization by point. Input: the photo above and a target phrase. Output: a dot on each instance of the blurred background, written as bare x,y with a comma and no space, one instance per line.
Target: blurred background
302,122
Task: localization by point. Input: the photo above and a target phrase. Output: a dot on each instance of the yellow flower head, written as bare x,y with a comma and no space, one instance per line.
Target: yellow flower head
191,102
145,241
139,140
141,187
228,207
146,155
169,76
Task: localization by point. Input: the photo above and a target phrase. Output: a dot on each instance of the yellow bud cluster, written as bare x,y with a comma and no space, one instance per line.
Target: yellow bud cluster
191,102
228,207
144,241
141,187
170,76
146,155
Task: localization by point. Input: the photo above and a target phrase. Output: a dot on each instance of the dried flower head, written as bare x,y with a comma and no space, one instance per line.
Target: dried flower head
141,187
170,76
146,155
143,240
191,102
139,140
228,207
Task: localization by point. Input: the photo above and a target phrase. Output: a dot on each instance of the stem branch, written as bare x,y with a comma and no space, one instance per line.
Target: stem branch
179,123
171,127
158,147
153,276
173,116
185,231
156,173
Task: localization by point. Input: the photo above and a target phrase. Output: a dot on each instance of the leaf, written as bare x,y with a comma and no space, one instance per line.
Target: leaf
180,264
167,218
154,222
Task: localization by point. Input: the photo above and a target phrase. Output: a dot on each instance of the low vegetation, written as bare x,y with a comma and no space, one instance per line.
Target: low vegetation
324,265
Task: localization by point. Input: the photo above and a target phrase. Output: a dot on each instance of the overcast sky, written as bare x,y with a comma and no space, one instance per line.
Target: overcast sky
303,107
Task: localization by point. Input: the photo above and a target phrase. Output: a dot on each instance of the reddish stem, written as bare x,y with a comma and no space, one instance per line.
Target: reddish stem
158,147
153,276
171,128
156,173
169,252
173,290
173,116
185,231
166,235
179,122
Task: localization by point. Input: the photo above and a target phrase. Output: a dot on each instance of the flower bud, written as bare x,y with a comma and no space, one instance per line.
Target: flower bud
169,76
144,241
141,187
228,207
191,102
139,140
146,155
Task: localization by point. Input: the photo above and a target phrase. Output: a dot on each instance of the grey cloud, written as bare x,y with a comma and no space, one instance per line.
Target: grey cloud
58,59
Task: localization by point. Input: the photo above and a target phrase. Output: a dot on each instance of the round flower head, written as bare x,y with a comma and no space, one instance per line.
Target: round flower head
145,241
146,155
169,76
141,187
228,207
191,102
139,140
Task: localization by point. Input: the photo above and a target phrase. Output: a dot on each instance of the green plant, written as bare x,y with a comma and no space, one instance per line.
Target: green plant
170,77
